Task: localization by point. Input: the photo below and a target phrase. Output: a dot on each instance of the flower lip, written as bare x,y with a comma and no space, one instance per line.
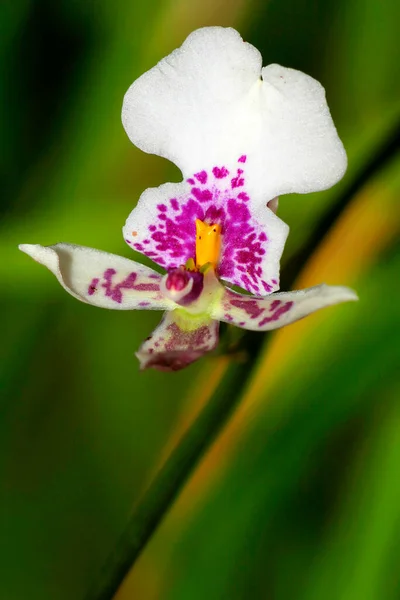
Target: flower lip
210,219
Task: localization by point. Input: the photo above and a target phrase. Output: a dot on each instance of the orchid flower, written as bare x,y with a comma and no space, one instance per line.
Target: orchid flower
241,135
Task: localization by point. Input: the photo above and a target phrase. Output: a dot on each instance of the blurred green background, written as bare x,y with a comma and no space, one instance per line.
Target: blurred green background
299,497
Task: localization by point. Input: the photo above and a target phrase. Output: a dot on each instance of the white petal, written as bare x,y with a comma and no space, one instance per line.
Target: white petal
100,278
262,314
210,102
177,342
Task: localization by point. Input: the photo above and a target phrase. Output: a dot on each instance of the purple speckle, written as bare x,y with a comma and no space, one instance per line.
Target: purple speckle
162,207
242,159
243,196
191,181
275,305
174,203
237,181
278,312
202,177
114,291
202,195
93,286
220,172
267,287
250,307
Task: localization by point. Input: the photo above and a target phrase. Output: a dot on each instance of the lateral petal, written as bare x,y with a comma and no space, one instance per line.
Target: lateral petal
100,278
277,310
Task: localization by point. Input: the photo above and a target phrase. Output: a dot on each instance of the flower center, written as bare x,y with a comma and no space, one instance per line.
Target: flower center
208,243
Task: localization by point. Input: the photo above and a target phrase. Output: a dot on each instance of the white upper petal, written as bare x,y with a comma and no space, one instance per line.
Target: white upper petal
211,101
100,278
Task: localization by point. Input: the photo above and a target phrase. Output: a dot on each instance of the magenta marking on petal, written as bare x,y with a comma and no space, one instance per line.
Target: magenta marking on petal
202,195
242,159
242,323
128,241
191,181
237,182
202,177
93,286
152,228
144,303
162,207
249,306
115,291
275,305
267,287
220,173
274,281
277,314
174,203
243,196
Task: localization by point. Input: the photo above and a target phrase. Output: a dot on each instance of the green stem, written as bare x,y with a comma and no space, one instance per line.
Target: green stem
169,481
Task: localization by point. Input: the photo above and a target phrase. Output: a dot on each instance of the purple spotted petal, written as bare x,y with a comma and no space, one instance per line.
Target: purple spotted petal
174,344
100,278
162,227
262,314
